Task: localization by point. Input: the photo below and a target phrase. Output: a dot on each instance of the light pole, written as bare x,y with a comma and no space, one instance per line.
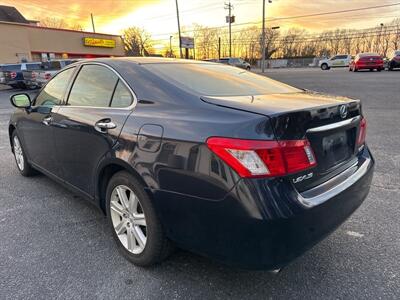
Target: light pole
263,37
170,46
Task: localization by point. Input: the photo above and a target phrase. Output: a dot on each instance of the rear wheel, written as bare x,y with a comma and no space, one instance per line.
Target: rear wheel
20,158
135,225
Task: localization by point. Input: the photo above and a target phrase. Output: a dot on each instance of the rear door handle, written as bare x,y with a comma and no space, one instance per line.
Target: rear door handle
46,121
104,125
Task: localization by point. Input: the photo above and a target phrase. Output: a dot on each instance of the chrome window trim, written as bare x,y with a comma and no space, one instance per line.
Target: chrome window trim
334,125
131,107
317,198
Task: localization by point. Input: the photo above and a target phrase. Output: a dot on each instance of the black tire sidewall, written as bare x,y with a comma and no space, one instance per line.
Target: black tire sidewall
155,236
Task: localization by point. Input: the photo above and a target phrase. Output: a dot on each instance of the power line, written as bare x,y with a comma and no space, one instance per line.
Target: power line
297,17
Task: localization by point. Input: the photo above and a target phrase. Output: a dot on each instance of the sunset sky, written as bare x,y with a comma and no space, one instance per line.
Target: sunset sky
159,16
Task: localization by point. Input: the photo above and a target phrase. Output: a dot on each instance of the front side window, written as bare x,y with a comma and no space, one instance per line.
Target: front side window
53,92
122,96
94,86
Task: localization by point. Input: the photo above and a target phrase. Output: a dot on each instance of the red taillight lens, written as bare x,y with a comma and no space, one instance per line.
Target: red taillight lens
362,132
34,75
47,76
255,158
13,75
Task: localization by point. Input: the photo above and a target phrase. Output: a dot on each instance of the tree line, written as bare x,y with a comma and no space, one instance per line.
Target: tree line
293,42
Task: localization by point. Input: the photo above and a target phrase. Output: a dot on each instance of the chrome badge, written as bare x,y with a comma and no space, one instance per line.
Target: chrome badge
304,177
343,111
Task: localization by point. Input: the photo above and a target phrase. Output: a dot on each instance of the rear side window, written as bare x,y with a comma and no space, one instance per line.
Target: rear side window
53,92
11,68
122,96
94,86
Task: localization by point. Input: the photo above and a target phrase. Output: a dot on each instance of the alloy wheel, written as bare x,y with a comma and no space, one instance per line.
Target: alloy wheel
128,219
19,156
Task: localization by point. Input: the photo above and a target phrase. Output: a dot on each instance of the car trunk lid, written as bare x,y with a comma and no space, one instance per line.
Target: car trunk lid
330,123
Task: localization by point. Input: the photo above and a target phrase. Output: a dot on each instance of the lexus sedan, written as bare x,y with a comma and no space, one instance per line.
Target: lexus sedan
203,156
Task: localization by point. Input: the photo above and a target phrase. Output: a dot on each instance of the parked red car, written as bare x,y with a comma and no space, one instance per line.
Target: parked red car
366,61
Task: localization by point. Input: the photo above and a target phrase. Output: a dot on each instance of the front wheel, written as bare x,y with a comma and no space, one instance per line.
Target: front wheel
324,67
135,225
20,158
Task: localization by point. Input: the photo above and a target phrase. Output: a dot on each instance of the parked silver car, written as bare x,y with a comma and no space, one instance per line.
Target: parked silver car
237,62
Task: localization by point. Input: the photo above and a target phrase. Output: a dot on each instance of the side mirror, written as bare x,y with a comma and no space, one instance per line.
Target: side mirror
21,100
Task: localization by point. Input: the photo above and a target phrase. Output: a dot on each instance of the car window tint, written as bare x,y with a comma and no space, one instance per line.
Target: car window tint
32,66
53,92
122,96
11,67
217,79
93,86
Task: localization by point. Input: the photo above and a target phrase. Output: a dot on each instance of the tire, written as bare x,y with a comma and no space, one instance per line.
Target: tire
371,70
325,67
20,158
146,243
379,69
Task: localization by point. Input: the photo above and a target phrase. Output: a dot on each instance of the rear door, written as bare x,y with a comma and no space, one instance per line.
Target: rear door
88,126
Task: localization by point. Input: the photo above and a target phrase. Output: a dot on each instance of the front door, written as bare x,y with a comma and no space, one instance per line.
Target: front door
37,126
88,126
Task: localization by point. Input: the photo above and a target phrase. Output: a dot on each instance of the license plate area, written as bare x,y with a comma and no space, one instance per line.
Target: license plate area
334,148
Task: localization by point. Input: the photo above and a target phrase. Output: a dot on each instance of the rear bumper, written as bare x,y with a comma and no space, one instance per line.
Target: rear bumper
261,224
369,66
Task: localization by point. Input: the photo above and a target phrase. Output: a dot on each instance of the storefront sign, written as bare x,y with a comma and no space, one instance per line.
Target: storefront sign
93,42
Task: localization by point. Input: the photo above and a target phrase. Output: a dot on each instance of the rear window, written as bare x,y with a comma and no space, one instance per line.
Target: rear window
218,80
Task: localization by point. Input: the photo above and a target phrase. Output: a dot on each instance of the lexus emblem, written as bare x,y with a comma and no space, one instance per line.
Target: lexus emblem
343,111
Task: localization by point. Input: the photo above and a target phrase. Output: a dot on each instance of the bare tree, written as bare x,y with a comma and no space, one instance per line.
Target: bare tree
137,42
53,22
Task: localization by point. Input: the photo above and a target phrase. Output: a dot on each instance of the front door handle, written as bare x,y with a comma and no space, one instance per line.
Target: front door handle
104,125
46,121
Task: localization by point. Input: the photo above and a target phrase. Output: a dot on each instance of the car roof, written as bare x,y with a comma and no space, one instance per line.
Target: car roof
144,60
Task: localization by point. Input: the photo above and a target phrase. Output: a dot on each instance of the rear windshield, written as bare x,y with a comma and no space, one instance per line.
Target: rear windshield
217,79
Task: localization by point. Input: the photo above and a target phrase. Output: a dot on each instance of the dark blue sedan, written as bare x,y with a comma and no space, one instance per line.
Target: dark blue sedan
203,156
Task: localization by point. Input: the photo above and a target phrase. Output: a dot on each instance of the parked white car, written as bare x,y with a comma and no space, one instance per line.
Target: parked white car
335,61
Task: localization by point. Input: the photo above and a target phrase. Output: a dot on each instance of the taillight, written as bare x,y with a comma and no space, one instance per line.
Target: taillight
13,75
258,158
47,76
362,132
34,75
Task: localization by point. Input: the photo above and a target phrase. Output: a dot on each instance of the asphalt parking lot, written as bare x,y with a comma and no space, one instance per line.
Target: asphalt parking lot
55,245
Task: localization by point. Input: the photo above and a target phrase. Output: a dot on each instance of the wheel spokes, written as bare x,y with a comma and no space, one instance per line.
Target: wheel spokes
140,237
121,227
123,197
139,219
116,207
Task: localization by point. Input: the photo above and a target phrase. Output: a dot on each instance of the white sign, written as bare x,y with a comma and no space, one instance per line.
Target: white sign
187,42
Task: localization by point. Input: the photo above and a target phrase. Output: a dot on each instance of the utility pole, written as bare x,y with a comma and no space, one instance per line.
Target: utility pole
219,48
170,46
91,16
263,39
179,28
230,20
